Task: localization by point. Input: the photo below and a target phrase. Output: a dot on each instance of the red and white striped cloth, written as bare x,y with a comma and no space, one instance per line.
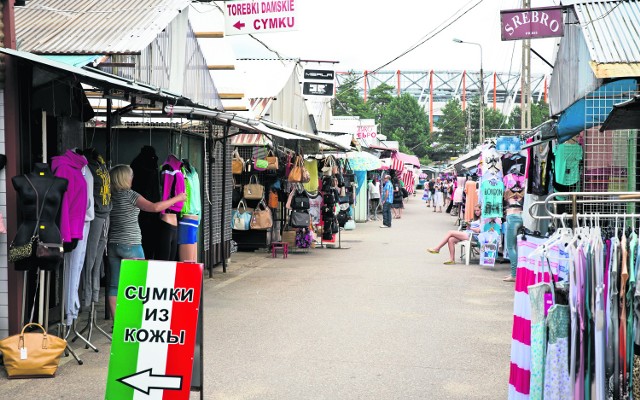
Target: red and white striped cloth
529,272
409,181
397,164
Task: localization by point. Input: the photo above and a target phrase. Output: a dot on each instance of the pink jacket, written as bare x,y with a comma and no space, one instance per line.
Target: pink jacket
74,202
172,182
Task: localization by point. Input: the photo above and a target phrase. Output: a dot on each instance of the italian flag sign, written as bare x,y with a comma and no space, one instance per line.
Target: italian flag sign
155,330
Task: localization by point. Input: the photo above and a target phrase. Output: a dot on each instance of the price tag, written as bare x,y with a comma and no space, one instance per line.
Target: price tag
23,353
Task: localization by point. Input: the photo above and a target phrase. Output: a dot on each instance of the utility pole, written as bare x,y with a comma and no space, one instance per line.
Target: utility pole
525,77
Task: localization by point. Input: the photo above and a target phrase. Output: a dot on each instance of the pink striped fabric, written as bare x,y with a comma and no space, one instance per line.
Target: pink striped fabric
526,275
397,164
409,181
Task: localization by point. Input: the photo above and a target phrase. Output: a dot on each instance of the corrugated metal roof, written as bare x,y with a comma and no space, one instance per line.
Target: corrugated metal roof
93,26
611,30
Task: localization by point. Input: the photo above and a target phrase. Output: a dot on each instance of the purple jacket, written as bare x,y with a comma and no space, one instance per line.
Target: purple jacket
172,182
74,202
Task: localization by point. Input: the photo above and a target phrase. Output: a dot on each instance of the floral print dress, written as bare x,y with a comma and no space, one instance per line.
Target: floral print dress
557,384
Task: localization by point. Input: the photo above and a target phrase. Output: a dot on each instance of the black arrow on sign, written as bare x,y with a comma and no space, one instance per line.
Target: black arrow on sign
144,381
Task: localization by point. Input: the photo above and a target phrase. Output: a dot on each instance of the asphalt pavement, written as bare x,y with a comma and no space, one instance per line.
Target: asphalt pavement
379,318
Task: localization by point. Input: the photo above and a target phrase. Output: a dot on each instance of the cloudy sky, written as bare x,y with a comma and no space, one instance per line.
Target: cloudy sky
367,34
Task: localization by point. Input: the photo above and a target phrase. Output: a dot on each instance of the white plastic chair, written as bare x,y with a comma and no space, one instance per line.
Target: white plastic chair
466,248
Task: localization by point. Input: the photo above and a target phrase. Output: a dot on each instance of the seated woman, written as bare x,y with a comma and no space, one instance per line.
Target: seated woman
453,237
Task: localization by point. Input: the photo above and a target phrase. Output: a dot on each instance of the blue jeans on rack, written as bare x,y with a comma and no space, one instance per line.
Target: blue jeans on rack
514,222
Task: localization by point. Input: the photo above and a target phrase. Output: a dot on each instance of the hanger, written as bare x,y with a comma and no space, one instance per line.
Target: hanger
186,164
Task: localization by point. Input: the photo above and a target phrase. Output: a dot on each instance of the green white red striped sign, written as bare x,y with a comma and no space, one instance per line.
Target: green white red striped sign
155,330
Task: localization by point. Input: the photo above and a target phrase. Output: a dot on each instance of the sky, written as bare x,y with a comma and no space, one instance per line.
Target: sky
367,34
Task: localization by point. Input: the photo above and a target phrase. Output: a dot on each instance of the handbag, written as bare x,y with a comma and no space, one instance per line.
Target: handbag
241,220
253,190
350,225
328,166
261,219
32,354
296,172
237,163
47,251
299,219
274,201
300,200
272,161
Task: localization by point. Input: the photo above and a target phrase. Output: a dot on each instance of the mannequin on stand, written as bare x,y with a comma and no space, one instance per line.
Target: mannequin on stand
42,179
98,232
190,216
173,184
76,216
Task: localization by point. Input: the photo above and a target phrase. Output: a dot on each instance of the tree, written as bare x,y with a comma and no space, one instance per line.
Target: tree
379,98
539,114
348,100
405,121
451,137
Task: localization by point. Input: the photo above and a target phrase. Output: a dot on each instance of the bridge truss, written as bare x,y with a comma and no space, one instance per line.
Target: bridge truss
433,89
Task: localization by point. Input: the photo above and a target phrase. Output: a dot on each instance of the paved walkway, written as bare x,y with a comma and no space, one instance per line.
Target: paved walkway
380,320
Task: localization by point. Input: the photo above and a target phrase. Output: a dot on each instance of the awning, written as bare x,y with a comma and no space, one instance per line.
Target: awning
245,124
579,116
307,135
101,79
408,158
624,115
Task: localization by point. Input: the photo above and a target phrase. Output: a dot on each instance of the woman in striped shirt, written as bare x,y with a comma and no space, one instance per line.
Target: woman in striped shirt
125,238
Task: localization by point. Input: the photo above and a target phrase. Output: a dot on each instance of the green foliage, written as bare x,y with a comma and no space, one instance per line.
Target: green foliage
399,118
539,114
348,100
451,137
405,121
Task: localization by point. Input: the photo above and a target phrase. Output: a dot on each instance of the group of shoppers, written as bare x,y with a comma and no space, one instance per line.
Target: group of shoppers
439,193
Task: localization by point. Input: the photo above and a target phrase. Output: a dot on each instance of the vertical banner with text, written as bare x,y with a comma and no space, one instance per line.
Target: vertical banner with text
155,330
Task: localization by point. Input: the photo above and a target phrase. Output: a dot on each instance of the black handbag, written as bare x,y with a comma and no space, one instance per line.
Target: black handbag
299,219
343,217
300,201
35,247
236,194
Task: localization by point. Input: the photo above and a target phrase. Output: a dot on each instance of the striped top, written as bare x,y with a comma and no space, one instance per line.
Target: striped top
123,227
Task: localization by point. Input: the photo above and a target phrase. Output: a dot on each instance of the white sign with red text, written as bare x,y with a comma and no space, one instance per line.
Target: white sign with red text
367,134
243,17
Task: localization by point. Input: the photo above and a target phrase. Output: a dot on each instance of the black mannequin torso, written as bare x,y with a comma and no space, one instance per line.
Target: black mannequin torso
41,178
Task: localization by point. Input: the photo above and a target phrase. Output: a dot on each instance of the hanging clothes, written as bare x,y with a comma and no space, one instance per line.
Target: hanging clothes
557,384
539,169
492,197
471,193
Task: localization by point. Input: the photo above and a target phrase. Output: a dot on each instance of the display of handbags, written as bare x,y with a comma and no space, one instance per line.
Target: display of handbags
253,190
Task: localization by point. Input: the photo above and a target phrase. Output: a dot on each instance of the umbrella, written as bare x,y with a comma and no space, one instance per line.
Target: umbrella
363,161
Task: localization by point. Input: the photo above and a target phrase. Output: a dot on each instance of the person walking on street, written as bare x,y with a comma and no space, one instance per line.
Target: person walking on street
432,190
387,201
374,198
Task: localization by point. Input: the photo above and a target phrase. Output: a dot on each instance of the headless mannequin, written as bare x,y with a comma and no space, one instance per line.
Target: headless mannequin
41,178
188,251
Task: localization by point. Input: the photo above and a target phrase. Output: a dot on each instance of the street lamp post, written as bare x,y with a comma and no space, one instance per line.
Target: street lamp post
481,135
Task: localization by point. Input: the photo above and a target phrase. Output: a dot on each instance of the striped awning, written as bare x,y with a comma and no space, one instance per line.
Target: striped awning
397,164
250,139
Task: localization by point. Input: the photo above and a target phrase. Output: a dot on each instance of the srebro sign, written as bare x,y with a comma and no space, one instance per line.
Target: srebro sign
244,17
532,23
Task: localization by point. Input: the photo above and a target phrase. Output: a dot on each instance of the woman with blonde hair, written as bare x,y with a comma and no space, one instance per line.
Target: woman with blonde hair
453,237
125,238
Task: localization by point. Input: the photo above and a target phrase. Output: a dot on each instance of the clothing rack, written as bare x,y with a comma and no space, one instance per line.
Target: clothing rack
551,202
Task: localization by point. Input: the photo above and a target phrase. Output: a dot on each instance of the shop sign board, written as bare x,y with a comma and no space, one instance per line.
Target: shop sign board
367,134
243,17
155,330
317,89
532,23
319,74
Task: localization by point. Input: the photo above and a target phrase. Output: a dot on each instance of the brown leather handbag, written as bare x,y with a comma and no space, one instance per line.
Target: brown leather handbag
261,219
273,199
237,163
272,161
296,172
32,354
